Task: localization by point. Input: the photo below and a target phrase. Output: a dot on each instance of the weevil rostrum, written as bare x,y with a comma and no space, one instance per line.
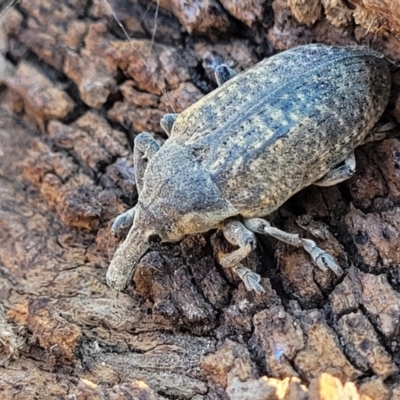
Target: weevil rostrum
235,156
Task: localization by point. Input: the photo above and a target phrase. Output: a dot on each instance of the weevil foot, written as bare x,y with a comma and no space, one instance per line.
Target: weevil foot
339,174
167,122
223,73
238,235
320,257
250,279
123,221
323,259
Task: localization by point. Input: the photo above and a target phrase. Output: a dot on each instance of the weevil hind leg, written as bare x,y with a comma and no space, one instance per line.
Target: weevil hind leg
238,235
167,122
347,170
381,132
145,146
223,73
250,279
339,174
321,258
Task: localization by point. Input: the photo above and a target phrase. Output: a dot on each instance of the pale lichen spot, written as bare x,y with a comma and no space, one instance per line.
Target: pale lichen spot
278,145
267,134
277,114
237,165
301,96
293,116
285,97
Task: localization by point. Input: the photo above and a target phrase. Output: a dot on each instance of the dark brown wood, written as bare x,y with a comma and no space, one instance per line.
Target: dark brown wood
74,93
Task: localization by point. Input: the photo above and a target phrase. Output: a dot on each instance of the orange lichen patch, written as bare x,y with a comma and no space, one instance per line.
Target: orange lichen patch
140,384
288,388
306,12
87,390
327,387
89,383
231,368
136,389
375,20
19,313
52,332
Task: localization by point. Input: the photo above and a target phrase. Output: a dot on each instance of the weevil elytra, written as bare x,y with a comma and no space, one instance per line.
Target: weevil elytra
240,152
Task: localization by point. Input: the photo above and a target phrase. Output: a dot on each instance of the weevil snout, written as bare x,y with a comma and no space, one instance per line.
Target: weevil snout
127,256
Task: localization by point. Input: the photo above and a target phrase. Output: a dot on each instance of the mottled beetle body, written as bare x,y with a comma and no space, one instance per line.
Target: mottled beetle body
245,148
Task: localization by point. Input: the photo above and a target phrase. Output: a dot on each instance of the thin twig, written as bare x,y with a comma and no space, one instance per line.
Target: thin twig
155,25
138,52
11,4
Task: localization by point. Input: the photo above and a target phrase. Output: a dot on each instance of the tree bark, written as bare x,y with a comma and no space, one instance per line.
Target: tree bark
76,89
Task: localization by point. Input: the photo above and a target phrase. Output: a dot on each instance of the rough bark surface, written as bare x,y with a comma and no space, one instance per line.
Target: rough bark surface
74,93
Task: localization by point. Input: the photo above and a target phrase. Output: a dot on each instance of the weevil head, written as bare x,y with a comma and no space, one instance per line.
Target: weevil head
179,195
148,222
178,198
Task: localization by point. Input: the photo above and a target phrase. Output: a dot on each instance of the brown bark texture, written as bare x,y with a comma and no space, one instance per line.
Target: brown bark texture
79,79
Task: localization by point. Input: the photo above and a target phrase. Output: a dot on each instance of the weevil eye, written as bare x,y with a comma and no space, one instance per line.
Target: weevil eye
154,237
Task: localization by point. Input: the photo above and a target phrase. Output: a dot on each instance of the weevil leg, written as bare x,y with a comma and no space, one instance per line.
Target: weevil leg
223,73
123,221
339,174
250,279
237,234
145,146
381,132
320,257
167,122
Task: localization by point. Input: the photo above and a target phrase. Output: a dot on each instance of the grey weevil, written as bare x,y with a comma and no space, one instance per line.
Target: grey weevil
235,156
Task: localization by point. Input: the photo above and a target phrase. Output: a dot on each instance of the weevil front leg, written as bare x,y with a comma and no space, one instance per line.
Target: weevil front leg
238,235
145,146
320,257
339,174
123,221
167,122
223,73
